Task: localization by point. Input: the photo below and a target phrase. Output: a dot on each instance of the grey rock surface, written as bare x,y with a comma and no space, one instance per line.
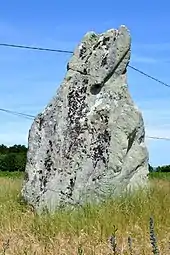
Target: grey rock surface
88,143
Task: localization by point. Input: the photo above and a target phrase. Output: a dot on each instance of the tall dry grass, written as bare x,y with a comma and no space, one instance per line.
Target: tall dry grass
24,232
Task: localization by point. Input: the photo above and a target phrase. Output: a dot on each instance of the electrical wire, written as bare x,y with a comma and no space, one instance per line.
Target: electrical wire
71,52
28,116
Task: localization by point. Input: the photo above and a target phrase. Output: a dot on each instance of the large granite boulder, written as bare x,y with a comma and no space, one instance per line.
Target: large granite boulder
88,143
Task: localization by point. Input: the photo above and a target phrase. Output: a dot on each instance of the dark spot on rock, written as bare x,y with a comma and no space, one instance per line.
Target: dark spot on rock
26,176
70,188
85,81
71,183
82,51
84,151
44,181
124,71
100,143
68,78
131,138
95,89
105,40
48,163
67,156
85,71
41,120
142,138
87,58
117,169
37,199
76,105
104,61
96,45
51,145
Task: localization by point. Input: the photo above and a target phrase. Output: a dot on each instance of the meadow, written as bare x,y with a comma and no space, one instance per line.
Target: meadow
118,226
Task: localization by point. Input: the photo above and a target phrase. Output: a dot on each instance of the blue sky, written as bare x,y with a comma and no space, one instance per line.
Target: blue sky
28,79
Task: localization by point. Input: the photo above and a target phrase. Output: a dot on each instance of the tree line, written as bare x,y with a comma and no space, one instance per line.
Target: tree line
162,169
13,158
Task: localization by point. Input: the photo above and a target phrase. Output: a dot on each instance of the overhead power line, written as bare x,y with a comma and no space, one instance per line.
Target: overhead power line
31,117
35,48
149,76
71,52
20,114
28,116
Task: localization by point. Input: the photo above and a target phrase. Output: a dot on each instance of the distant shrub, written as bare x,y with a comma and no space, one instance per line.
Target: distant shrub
163,169
13,158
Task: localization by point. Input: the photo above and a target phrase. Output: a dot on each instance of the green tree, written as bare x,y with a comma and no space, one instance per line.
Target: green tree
3,149
150,168
163,169
20,162
13,158
7,163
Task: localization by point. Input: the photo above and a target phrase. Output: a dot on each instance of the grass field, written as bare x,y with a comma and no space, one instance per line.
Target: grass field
24,232
160,176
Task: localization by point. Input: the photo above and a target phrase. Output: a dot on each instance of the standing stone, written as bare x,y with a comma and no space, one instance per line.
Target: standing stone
88,143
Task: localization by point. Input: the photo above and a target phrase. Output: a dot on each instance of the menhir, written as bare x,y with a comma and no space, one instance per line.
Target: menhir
88,143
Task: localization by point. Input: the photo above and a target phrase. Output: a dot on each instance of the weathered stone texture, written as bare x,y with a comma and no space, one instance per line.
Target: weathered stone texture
89,140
